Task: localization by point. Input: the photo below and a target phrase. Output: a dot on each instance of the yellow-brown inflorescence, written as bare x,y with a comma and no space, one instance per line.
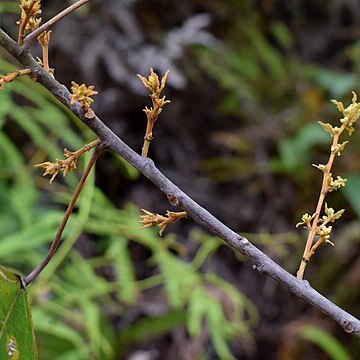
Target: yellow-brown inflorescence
317,225
149,219
83,94
155,87
30,9
66,165
29,21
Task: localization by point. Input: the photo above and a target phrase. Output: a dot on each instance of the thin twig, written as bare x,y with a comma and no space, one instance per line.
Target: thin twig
32,36
24,22
309,247
146,166
5,79
55,244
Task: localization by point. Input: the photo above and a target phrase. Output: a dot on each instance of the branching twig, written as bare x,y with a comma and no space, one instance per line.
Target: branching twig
146,166
5,79
156,87
28,13
32,36
67,165
55,244
315,225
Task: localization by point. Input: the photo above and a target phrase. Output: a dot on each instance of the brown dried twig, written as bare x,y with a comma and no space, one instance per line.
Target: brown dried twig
5,79
156,87
29,10
149,219
67,165
55,244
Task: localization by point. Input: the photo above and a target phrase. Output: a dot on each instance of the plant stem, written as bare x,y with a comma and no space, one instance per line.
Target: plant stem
309,247
24,22
55,244
86,148
32,36
151,118
14,75
45,52
147,140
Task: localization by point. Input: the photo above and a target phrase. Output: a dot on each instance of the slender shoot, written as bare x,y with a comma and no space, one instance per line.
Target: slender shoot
5,79
55,244
318,227
149,219
156,87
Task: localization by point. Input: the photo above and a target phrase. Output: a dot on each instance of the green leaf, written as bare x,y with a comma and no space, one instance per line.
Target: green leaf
205,251
219,328
40,233
17,339
151,327
9,7
351,192
196,312
282,34
124,269
338,84
328,343
296,151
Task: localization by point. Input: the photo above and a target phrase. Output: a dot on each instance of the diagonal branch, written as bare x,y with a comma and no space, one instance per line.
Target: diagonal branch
146,166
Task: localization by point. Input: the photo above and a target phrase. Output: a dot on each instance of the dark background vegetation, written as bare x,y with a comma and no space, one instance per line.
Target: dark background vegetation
249,81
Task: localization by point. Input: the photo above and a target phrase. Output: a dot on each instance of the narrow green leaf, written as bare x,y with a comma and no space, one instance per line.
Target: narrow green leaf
17,339
40,233
124,269
196,311
151,327
219,329
351,192
328,343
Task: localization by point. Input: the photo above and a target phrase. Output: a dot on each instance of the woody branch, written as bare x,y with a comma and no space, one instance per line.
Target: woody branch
146,166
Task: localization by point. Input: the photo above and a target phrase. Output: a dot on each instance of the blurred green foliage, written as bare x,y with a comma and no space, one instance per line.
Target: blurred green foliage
83,303
324,340
79,301
273,98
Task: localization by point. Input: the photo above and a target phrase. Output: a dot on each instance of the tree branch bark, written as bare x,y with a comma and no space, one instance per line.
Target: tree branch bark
262,263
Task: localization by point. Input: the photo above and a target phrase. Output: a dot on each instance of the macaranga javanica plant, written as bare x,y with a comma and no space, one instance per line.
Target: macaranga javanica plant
78,101
71,298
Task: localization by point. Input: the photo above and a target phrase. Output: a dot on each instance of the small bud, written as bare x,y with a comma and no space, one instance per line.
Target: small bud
327,127
321,167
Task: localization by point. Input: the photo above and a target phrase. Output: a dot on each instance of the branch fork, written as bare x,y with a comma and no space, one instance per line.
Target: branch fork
193,210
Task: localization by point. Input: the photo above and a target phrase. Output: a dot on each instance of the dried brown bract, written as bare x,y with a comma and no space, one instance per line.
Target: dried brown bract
149,219
83,94
156,87
66,165
30,9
